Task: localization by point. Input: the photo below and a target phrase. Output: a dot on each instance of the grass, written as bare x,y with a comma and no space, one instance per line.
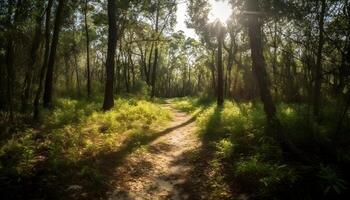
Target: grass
75,144
241,151
65,146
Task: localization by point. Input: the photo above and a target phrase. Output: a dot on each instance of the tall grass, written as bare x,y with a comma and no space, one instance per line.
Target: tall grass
253,161
74,131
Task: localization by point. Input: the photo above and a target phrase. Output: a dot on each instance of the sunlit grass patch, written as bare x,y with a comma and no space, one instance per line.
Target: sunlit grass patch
191,104
76,132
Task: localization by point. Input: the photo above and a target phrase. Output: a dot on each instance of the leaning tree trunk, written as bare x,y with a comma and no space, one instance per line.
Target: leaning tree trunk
108,102
259,69
51,61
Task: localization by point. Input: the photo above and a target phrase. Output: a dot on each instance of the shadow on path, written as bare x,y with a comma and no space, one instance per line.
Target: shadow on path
103,166
208,179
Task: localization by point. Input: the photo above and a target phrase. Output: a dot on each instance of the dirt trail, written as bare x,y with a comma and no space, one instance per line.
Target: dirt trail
159,171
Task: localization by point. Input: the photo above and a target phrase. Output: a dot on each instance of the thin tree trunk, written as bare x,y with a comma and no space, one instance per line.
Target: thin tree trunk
132,69
46,57
88,86
77,71
318,70
108,102
32,58
10,54
51,61
148,69
125,73
220,38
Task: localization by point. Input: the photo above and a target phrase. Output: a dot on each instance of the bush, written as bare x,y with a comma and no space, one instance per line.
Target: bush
241,141
140,88
74,133
263,178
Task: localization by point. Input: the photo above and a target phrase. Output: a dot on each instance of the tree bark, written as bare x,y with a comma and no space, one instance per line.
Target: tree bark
88,86
259,69
220,38
108,102
155,61
75,52
9,59
318,69
46,56
148,69
32,59
10,51
51,61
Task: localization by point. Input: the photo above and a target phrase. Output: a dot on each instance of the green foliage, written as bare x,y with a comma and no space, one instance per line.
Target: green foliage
191,104
76,131
141,89
17,155
225,148
330,180
253,160
263,178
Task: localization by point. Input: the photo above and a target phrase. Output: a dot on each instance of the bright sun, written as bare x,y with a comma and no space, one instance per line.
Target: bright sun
220,10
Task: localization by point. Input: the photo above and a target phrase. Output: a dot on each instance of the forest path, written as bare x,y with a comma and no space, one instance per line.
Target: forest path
161,170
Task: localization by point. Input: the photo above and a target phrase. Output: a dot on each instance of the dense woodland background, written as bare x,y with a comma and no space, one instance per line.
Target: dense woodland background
269,89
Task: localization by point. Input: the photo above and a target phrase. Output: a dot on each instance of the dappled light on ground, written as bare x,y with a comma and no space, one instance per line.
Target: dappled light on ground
159,170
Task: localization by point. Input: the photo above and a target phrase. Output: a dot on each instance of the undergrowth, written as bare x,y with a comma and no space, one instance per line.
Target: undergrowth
63,146
249,159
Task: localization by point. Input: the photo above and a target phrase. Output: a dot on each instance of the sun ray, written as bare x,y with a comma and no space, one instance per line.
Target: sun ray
220,10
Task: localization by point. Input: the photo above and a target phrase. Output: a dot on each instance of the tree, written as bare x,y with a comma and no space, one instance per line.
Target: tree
318,70
51,62
108,101
88,84
33,55
46,57
220,39
259,69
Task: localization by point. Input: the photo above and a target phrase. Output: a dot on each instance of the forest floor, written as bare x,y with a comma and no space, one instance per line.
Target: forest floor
162,170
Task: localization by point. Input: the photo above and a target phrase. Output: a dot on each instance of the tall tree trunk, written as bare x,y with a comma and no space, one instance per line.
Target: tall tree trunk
220,38
46,57
51,61
154,71
108,102
148,69
155,61
88,86
11,75
274,62
228,75
125,73
132,67
67,75
259,69
9,60
213,77
76,70
32,58
318,70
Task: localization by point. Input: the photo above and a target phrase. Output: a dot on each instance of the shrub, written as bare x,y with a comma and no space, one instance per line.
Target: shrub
330,181
263,178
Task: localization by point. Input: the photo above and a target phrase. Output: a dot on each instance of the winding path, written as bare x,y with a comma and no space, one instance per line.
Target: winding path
160,170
